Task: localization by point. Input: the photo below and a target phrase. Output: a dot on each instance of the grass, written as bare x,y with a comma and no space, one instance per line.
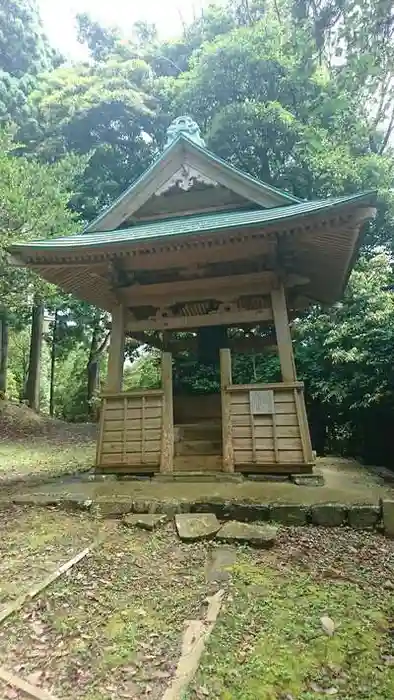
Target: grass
36,447
270,643
44,459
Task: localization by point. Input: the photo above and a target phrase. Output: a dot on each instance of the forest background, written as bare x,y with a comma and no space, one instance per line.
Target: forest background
298,93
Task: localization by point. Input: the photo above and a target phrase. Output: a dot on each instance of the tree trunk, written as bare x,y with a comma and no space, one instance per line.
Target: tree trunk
33,378
93,370
53,365
3,351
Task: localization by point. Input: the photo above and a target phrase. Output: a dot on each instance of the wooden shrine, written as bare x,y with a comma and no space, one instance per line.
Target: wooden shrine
196,244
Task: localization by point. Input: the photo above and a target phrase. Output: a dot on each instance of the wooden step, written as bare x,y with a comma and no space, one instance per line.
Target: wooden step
198,431
198,447
198,463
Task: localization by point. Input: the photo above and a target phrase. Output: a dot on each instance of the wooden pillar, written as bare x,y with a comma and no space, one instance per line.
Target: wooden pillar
167,438
116,351
225,381
283,337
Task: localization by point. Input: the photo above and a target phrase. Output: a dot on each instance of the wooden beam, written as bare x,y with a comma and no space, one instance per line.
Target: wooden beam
145,339
229,318
116,350
225,382
167,441
28,689
227,287
283,337
35,590
239,345
201,287
194,641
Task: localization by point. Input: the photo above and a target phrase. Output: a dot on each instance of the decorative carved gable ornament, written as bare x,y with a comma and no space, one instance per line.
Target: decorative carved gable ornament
187,126
185,178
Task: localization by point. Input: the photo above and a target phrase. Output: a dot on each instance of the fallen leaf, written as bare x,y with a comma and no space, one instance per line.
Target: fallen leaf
38,628
328,625
331,691
388,659
34,678
161,674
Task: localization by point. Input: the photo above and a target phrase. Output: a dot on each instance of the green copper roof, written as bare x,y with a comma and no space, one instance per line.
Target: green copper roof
201,223
183,138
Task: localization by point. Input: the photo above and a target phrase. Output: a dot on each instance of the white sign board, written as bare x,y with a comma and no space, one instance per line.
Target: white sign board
261,402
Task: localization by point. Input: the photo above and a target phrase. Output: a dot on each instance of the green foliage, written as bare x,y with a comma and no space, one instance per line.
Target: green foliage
24,54
144,372
102,109
23,45
345,354
70,385
34,200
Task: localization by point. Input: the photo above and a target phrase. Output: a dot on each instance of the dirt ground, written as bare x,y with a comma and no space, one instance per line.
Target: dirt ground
112,626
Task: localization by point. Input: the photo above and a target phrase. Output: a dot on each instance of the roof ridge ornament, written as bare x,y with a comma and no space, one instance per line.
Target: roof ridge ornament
187,126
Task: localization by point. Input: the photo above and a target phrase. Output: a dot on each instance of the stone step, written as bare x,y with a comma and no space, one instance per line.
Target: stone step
199,476
198,463
198,447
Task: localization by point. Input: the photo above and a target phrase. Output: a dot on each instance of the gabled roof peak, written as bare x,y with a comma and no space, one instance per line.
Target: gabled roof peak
185,126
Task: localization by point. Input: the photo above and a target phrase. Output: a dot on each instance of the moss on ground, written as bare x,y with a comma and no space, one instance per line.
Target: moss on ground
269,642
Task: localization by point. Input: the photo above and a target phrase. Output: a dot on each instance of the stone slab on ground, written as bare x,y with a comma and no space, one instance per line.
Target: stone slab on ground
315,479
247,533
363,517
196,526
147,521
388,517
289,514
328,514
219,562
112,508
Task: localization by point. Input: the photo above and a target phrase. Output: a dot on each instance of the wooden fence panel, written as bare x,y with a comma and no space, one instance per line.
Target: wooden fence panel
130,430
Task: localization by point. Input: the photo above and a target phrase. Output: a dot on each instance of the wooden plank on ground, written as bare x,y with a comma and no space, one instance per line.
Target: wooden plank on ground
32,691
193,645
34,591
